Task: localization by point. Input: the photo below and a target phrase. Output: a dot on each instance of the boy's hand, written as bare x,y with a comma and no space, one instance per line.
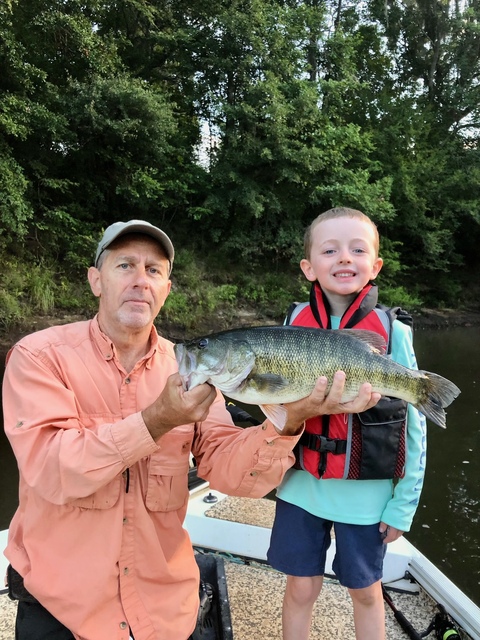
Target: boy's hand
389,534
366,399
319,403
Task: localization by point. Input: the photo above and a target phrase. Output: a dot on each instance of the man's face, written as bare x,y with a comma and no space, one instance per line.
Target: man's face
132,282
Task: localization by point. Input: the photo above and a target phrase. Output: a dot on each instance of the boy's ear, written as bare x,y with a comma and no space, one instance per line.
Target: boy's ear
377,265
307,269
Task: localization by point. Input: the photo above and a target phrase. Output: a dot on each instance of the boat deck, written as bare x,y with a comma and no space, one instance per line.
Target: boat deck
255,590
8,611
255,593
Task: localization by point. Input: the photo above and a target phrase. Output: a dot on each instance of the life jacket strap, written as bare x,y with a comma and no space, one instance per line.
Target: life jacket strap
322,444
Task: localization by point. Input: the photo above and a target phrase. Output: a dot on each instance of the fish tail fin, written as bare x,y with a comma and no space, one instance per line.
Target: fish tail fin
438,393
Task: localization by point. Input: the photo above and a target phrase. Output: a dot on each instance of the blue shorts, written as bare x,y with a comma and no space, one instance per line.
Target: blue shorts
299,543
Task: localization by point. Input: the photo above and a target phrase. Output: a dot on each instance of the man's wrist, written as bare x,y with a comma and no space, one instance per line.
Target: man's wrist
291,429
153,424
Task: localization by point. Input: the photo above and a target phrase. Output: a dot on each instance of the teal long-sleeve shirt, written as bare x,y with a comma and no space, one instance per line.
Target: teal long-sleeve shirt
369,501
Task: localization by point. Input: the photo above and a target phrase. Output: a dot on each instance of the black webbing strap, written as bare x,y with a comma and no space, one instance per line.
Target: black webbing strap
322,444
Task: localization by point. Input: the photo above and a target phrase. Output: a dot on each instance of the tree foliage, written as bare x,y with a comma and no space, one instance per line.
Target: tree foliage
233,124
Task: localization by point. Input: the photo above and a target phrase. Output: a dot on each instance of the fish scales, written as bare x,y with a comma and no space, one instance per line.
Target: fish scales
276,365
306,355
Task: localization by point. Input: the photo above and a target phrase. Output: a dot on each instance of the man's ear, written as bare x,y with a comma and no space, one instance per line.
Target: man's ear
307,269
94,280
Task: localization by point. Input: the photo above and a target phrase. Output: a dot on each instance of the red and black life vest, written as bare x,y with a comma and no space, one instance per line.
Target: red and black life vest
365,446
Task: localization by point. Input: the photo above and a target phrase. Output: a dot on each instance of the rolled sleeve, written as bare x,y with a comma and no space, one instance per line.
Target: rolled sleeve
132,439
246,462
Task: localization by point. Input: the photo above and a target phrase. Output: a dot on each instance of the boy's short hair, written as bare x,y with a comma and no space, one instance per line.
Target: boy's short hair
337,212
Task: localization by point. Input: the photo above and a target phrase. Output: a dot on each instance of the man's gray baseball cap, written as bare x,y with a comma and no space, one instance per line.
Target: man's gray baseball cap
118,229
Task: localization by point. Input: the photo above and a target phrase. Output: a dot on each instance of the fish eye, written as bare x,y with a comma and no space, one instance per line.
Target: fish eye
202,343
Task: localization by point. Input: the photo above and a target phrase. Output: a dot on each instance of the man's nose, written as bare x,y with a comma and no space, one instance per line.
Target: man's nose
141,279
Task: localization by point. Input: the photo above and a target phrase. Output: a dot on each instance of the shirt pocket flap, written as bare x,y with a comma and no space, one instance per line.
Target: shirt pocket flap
167,485
105,498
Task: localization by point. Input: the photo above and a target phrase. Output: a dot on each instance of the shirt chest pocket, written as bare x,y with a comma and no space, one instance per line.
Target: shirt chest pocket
105,498
167,483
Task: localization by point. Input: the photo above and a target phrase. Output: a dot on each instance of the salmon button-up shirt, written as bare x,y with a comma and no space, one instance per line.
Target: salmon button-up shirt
98,533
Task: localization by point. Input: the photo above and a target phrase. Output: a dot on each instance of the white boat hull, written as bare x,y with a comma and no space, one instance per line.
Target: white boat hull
252,541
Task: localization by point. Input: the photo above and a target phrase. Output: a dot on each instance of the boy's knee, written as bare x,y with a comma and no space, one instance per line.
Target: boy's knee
303,590
368,596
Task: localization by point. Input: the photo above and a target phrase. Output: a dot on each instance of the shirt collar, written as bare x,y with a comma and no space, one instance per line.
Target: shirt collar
107,347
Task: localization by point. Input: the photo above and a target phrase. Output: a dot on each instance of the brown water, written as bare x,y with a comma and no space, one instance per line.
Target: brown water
447,524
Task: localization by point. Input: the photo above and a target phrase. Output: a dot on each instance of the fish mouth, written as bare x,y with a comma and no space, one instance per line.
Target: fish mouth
187,368
186,364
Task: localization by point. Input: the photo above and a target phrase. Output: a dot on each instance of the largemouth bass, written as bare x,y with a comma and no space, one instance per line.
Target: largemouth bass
270,366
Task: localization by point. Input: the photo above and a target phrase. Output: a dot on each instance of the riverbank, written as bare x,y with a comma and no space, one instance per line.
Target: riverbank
424,319
444,318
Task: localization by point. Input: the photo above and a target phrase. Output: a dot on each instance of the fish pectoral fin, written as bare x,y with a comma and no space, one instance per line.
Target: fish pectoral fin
276,413
268,382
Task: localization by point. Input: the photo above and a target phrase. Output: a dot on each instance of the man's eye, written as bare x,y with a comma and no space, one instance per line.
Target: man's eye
124,265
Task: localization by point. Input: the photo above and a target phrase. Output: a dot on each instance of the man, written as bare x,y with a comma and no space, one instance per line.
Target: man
102,431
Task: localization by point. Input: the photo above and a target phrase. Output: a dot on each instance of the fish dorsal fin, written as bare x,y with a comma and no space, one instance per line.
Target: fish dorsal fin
374,340
276,413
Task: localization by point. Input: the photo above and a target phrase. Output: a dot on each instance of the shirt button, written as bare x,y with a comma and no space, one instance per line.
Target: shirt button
125,520
271,443
254,473
264,427
127,380
123,625
125,571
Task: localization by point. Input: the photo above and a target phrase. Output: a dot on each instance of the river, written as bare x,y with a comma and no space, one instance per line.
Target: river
447,524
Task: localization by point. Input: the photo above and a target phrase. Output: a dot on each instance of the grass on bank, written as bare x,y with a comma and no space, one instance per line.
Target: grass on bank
206,295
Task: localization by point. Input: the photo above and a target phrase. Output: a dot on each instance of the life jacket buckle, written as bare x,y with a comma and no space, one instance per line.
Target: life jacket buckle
322,444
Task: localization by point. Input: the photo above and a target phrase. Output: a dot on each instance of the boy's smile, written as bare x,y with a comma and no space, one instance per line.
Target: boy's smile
343,259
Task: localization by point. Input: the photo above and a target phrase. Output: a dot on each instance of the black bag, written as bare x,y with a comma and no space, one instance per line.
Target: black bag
16,588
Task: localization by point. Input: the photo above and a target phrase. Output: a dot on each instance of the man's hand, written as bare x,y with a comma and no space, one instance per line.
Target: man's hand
175,406
319,402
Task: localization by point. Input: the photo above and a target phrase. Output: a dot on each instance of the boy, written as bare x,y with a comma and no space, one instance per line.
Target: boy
341,260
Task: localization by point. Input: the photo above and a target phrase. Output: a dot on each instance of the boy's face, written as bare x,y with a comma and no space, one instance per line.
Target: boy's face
343,257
